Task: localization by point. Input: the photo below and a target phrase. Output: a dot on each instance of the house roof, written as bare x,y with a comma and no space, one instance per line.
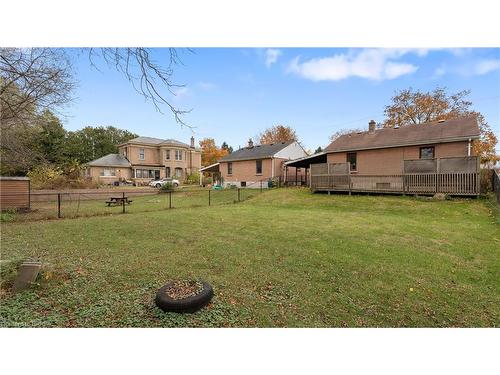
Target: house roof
156,141
110,160
256,152
432,132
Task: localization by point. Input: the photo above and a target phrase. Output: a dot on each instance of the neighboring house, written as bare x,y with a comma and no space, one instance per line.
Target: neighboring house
248,166
425,158
383,151
144,158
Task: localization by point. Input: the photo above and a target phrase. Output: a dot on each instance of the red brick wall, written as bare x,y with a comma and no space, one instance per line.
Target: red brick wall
390,160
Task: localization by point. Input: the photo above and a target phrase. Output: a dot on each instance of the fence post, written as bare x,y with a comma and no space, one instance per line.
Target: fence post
349,182
169,199
209,197
239,195
261,186
58,205
123,202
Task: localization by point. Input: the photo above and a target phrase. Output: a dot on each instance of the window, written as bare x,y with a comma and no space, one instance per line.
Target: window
229,168
351,158
427,152
258,166
178,172
108,172
147,173
141,154
243,184
167,154
167,172
125,152
178,155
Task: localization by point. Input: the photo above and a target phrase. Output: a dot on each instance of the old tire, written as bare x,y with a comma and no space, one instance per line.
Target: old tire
184,305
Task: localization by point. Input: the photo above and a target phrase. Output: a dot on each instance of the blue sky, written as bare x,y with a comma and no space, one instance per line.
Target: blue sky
236,93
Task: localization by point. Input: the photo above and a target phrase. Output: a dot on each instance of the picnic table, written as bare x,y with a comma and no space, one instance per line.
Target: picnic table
117,201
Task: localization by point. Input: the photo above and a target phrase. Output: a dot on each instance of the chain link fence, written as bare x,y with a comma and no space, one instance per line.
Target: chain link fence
57,205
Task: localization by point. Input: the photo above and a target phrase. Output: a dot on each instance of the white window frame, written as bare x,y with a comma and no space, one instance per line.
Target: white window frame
111,172
167,154
178,155
142,154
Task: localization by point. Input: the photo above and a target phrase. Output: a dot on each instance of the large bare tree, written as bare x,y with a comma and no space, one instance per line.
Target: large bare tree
33,80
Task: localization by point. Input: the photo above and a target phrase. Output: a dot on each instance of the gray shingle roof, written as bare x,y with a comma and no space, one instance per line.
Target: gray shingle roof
432,132
110,160
256,152
156,141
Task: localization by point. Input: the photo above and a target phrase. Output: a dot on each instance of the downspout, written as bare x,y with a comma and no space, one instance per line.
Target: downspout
272,167
469,147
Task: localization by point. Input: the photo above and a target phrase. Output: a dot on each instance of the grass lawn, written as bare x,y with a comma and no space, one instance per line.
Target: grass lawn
284,258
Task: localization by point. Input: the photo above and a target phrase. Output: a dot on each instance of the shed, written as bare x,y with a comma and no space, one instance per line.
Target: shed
14,193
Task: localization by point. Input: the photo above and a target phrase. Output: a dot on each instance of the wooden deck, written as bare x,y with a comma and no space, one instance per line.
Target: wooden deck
336,177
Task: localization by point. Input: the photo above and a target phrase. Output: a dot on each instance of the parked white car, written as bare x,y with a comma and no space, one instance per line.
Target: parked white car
163,181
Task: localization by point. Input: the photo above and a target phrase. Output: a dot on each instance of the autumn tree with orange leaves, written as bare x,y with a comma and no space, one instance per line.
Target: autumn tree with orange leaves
411,106
277,134
210,153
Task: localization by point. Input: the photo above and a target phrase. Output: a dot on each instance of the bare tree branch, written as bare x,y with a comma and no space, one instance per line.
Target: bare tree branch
146,76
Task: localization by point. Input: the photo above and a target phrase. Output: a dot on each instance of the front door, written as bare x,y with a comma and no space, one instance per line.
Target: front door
167,172
157,174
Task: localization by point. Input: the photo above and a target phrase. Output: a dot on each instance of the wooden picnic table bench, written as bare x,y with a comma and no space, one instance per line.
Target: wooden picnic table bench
118,201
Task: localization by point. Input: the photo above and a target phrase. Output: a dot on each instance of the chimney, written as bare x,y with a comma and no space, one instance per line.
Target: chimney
250,143
371,126
192,142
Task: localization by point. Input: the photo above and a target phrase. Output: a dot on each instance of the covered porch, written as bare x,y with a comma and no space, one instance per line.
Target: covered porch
292,178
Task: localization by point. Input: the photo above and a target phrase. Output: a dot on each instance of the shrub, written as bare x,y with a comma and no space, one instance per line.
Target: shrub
51,177
193,178
166,187
486,180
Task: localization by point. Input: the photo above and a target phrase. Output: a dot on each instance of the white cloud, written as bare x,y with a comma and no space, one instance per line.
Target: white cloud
181,92
374,64
439,72
486,66
272,56
207,86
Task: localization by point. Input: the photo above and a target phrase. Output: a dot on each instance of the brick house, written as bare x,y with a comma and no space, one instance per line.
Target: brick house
426,158
250,165
383,151
144,158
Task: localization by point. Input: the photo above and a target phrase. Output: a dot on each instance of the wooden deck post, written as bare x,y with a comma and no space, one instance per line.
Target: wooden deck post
123,202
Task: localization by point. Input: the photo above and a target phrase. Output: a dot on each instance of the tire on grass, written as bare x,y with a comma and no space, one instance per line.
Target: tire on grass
184,305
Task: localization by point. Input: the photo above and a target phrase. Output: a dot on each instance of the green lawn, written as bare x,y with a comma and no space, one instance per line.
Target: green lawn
284,258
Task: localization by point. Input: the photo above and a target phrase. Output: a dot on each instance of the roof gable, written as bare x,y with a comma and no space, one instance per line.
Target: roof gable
256,152
432,132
